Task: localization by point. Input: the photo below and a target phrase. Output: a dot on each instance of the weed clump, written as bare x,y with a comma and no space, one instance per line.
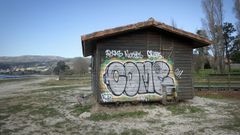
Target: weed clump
81,109
181,109
106,116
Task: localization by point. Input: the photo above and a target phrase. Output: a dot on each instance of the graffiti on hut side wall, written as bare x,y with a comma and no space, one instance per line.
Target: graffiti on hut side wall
178,73
130,74
125,54
133,54
132,78
153,54
106,97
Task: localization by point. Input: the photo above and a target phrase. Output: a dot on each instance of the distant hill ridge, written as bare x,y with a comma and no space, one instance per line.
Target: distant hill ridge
29,58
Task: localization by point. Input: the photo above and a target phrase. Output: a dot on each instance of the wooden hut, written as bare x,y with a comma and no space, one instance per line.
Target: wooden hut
146,61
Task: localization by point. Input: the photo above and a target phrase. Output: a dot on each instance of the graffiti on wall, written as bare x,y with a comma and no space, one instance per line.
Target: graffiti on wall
154,54
133,78
136,77
178,73
125,54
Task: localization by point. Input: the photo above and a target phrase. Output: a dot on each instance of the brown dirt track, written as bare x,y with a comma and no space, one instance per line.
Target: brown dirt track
219,94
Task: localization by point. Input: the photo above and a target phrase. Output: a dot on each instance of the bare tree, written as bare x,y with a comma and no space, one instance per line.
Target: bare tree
237,14
203,51
80,66
174,24
228,31
213,23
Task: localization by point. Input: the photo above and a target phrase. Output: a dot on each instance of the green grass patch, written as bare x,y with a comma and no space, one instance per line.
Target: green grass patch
61,124
18,99
55,89
2,117
14,80
153,121
181,109
15,108
81,109
26,101
203,73
235,70
64,82
45,111
217,96
11,131
133,132
119,115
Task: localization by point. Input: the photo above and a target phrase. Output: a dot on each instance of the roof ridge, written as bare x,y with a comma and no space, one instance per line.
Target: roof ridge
86,39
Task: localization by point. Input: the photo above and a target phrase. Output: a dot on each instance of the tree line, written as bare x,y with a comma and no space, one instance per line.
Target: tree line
225,37
80,66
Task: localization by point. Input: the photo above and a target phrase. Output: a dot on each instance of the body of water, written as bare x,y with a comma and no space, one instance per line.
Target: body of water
13,76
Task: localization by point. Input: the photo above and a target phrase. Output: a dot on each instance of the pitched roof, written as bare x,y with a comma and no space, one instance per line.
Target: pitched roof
88,39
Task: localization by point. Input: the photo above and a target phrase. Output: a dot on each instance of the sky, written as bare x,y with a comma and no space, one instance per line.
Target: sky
54,27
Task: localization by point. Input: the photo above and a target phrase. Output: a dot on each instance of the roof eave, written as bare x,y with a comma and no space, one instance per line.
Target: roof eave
87,40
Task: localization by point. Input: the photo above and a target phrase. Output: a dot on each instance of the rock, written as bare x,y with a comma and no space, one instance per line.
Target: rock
84,115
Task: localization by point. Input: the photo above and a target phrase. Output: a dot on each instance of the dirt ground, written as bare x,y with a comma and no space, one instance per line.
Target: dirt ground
219,94
51,107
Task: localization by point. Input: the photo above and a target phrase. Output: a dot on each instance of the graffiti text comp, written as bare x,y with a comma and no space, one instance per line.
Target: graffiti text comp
131,78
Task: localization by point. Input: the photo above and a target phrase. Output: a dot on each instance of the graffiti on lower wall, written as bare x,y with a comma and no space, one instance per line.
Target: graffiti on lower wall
137,77
128,76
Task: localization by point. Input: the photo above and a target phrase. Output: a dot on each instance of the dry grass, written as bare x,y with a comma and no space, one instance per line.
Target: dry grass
55,110
55,82
119,115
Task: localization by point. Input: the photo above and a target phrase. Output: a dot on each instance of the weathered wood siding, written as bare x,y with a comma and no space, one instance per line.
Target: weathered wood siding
172,47
183,59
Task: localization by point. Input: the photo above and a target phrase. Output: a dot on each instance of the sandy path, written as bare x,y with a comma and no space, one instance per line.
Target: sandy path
9,88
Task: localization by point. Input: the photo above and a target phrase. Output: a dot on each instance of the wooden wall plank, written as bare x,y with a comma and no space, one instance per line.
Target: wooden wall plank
170,46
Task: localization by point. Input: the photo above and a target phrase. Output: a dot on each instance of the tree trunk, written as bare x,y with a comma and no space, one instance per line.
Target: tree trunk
202,62
227,56
228,61
60,76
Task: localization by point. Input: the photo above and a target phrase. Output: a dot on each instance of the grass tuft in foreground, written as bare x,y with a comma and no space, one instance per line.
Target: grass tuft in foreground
181,109
234,123
106,116
45,111
133,132
214,96
81,109
15,109
66,82
15,80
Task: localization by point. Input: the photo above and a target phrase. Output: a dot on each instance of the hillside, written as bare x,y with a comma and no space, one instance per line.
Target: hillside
29,59
32,64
